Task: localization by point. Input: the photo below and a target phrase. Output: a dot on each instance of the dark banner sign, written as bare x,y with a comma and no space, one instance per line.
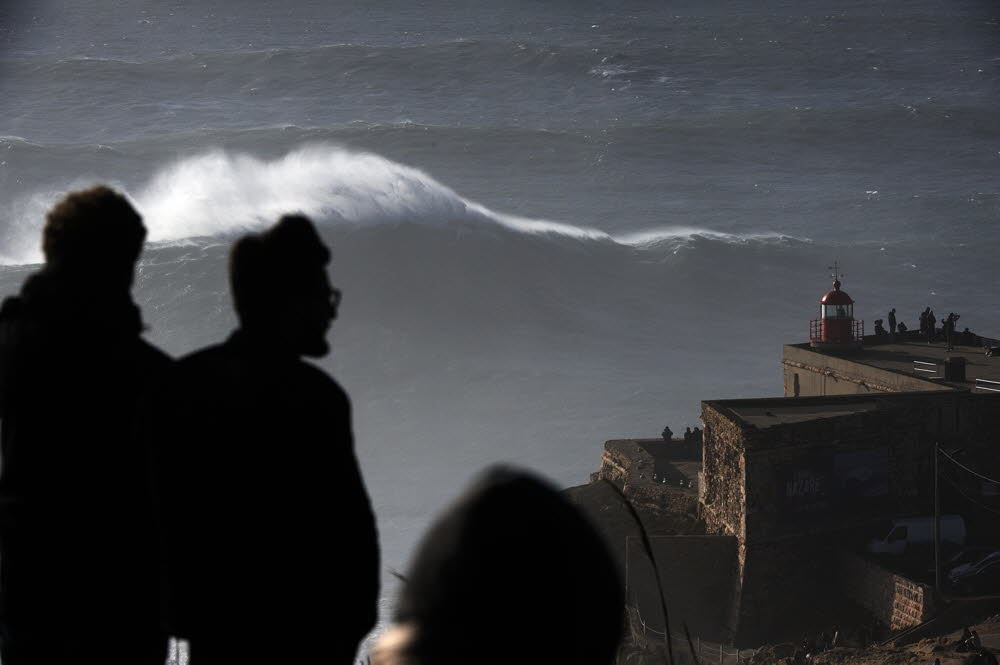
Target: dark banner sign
825,480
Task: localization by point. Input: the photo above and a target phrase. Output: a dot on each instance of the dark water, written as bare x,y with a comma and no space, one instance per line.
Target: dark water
554,224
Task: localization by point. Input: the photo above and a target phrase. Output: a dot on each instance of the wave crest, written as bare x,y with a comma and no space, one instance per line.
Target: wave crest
220,193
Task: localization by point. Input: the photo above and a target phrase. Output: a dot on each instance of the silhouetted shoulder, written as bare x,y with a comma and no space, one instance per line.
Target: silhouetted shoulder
152,357
202,359
9,308
12,316
318,376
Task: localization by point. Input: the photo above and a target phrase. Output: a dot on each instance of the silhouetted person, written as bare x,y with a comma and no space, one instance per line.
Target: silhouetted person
964,641
931,323
78,570
923,321
879,330
667,434
902,329
949,329
271,544
892,325
511,573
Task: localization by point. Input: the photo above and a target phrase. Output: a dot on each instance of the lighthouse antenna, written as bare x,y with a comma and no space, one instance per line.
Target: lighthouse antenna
836,271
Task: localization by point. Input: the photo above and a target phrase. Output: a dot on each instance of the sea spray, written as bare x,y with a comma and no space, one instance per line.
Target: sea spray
221,193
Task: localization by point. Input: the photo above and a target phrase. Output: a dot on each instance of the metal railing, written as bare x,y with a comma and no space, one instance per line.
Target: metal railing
708,653
856,334
926,369
989,343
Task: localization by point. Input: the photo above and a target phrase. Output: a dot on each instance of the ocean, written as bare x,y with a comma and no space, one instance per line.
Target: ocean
554,223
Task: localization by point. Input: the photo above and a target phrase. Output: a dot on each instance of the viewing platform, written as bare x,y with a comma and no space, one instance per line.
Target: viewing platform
880,366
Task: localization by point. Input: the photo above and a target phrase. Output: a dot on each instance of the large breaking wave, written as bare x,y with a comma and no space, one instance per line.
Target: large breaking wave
219,193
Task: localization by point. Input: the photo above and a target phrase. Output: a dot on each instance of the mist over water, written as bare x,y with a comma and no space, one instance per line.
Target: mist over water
553,226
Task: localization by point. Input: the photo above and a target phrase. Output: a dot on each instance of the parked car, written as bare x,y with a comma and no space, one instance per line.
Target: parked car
978,577
963,557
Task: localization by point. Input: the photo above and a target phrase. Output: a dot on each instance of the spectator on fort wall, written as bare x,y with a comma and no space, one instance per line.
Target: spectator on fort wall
949,329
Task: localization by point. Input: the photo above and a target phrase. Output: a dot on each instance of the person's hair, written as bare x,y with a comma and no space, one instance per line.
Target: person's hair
512,573
265,268
95,227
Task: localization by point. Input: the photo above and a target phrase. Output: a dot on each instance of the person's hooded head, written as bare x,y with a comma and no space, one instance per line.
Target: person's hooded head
280,287
94,236
511,573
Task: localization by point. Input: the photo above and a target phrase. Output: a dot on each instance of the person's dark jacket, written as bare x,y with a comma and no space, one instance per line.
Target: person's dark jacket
268,527
77,540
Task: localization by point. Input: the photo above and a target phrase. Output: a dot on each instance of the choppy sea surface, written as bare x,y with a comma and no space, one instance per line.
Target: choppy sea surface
554,223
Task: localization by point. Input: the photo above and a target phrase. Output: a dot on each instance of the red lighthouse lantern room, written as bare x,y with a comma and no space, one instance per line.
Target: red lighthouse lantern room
836,328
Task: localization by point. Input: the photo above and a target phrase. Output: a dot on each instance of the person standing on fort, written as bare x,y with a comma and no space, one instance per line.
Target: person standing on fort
948,328
892,325
79,576
923,321
270,540
931,322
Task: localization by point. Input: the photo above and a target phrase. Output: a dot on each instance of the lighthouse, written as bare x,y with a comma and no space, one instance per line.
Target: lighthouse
836,327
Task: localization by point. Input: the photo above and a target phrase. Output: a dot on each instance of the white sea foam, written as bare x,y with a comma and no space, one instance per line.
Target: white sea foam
683,234
219,193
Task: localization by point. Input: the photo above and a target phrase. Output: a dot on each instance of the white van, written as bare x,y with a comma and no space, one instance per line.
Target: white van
918,531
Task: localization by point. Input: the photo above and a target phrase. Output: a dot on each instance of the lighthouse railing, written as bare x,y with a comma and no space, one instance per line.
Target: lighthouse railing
816,330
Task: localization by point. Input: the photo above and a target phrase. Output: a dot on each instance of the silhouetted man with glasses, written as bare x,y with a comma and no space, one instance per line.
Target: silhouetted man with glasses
271,544
79,579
